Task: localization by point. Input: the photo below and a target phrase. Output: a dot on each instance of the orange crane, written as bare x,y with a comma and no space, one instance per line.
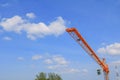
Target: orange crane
81,41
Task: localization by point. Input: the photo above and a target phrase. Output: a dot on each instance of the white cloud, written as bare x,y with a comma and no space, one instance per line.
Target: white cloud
30,15
113,49
20,58
54,67
12,24
57,27
48,61
7,38
36,57
56,62
72,70
33,30
50,67
60,64
63,69
60,60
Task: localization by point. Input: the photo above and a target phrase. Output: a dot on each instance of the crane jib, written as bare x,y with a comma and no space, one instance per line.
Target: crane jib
81,41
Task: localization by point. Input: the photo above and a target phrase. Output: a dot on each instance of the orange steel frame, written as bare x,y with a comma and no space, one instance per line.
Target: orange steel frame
80,40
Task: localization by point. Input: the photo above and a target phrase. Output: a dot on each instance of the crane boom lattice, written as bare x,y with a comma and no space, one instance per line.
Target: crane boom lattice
81,41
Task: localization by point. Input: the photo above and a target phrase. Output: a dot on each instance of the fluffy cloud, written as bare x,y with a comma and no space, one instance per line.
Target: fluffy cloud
72,70
63,69
12,24
48,61
56,60
33,30
54,67
53,62
113,49
36,57
30,15
60,60
59,64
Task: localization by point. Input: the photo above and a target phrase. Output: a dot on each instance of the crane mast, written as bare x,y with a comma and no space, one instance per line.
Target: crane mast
81,41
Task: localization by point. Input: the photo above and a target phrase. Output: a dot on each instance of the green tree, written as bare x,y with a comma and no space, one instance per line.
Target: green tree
51,76
41,76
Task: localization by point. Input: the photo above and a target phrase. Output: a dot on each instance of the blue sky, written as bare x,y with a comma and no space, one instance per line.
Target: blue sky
33,38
